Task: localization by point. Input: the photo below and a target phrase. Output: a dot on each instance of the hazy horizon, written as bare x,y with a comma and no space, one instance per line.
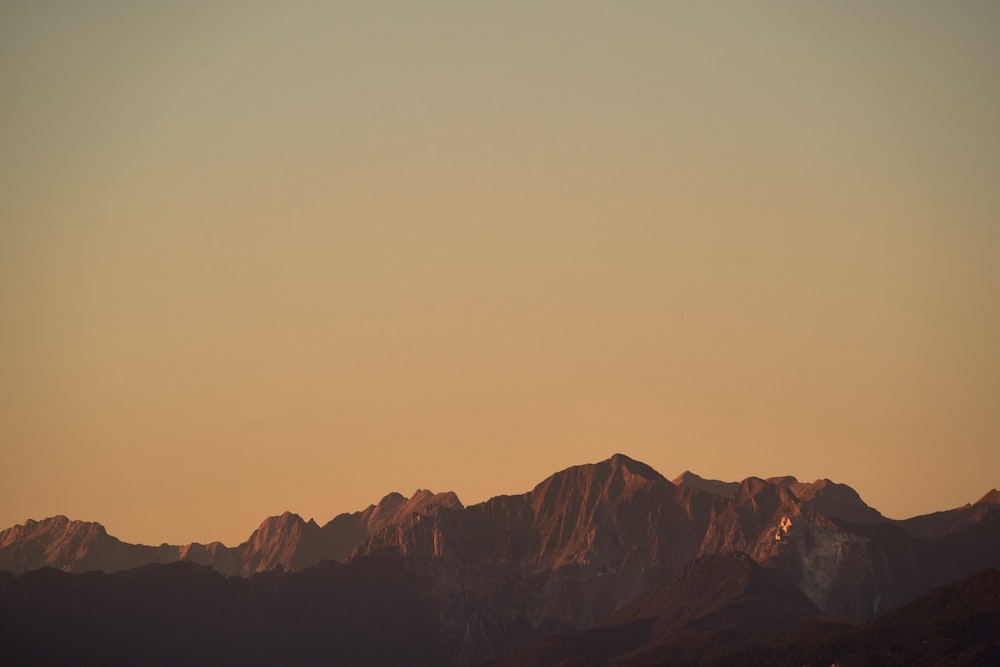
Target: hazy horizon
260,257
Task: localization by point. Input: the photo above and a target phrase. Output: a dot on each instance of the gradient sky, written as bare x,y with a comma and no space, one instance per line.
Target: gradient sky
263,256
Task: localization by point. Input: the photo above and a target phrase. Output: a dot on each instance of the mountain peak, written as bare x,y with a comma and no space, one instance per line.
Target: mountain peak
618,467
423,499
284,519
630,465
836,500
278,524
57,519
991,498
719,488
64,544
58,524
752,485
391,501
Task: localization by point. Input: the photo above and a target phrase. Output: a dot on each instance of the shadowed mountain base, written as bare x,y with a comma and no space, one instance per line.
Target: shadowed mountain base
370,612
726,612
481,580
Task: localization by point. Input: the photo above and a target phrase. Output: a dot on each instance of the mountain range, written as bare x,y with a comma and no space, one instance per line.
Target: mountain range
612,557
285,541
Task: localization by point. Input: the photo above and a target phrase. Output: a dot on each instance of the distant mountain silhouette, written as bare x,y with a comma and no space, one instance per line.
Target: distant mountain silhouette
73,546
286,541
583,544
723,593
726,611
722,610
370,612
948,522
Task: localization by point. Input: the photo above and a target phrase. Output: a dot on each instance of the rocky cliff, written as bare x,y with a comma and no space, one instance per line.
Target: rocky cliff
580,545
286,541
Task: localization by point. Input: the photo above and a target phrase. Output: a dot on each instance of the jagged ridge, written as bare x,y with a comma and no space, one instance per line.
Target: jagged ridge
285,541
582,543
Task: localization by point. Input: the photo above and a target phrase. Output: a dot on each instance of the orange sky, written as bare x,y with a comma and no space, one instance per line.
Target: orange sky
263,256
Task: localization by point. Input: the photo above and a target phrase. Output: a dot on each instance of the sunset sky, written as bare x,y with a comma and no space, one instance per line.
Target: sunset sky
267,256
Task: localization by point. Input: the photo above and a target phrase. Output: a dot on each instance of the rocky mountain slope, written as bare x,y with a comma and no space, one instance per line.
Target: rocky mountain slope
590,538
71,546
579,546
722,593
726,610
940,524
285,541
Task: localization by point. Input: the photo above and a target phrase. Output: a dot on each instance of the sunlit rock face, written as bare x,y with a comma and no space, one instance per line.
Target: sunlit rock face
577,546
580,545
289,542
73,546
589,538
286,541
